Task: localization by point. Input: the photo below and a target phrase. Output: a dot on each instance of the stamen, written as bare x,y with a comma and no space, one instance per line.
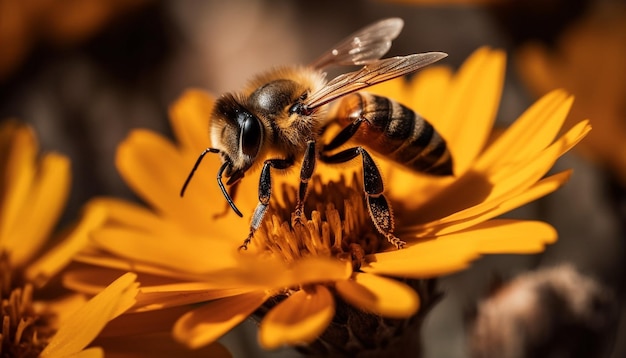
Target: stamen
24,333
339,224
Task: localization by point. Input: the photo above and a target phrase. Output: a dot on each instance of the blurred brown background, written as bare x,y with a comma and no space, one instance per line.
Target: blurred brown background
84,73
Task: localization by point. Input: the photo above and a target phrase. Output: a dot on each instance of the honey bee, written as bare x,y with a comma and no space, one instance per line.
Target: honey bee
279,119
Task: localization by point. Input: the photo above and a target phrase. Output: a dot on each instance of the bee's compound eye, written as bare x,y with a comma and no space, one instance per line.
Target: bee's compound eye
250,135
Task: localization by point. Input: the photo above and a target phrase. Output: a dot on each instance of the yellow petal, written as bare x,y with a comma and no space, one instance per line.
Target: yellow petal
455,251
471,106
19,155
59,256
132,216
518,176
299,319
85,324
275,274
427,91
505,236
89,281
107,261
379,295
489,210
129,214
424,260
43,206
189,117
395,89
533,131
465,192
206,324
183,252
519,237
163,296
539,190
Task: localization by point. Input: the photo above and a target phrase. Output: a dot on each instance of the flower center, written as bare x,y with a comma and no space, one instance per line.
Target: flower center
338,223
24,333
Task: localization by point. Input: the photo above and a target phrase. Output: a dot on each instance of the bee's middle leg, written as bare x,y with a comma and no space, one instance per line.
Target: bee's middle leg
265,193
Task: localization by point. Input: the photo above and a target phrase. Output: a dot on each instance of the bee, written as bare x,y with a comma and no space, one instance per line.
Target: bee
279,120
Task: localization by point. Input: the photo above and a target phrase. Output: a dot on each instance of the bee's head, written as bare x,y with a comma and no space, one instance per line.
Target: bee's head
238,134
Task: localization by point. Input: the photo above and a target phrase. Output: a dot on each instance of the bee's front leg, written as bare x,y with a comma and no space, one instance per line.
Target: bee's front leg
232,192
306,172
265,193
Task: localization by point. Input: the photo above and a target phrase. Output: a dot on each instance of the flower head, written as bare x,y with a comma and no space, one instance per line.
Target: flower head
33,190
188,247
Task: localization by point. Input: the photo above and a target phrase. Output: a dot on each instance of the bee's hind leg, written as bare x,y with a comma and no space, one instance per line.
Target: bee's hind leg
379,208
345,134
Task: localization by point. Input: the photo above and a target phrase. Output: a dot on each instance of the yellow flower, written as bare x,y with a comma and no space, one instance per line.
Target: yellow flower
34,190
33,193
187,247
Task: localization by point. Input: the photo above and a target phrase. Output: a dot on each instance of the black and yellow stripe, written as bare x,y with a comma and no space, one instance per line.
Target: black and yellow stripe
397,132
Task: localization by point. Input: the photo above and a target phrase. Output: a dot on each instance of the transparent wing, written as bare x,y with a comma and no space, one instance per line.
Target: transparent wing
364,46
371,74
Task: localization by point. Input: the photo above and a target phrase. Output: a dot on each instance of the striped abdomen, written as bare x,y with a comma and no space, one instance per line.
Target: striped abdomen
396,132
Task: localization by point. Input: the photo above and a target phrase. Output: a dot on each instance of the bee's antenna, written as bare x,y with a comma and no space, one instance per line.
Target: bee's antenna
224,192
219,178
193,170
